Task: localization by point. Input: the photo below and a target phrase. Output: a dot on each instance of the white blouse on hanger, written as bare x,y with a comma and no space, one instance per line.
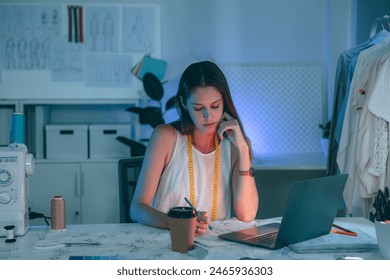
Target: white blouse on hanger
360,134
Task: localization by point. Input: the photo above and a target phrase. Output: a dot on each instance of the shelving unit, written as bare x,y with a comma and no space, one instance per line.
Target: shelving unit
89,186
39,112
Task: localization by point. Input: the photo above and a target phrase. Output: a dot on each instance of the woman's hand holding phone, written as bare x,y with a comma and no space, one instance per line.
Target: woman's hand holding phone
230,129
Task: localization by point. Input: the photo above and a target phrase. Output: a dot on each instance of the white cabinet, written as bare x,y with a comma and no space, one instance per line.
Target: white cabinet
90,190
100,193
52,179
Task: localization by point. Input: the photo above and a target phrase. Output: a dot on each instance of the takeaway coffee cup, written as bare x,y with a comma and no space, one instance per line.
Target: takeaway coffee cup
182,222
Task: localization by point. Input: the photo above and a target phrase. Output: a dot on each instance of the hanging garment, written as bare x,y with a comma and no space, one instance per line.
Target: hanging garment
372,141
344,73
357,142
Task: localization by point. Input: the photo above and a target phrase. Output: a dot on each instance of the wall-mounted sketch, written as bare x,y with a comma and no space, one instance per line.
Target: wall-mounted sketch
56,21
26,33
34,53
67,61
93,28
138,30
30,21
22,53
10,54
108,33
102,29
26,54
44,54
35,37
108,70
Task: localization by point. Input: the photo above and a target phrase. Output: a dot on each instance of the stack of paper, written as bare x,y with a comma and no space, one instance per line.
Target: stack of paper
150,65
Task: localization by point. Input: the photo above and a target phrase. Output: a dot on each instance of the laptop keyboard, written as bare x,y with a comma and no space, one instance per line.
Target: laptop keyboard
265,240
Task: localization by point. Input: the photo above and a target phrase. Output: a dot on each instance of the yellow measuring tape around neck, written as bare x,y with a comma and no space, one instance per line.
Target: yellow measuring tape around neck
216,172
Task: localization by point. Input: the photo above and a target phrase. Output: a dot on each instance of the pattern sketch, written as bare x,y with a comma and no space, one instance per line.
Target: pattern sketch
67,61
34,37
26,33
108,33
108,70
10,54
138,29
22,53
102,25
94,31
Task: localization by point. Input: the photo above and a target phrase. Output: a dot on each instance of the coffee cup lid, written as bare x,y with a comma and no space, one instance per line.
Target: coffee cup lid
181,212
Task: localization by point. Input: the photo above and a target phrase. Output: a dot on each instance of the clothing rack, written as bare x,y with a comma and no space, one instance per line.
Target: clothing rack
356,138
379,22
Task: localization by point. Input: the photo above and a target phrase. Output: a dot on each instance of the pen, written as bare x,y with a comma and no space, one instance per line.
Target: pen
343,231
196,211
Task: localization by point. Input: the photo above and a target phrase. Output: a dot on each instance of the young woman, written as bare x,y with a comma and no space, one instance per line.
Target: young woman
205,156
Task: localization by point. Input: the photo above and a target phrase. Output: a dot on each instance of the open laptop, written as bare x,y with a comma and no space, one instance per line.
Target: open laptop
310,212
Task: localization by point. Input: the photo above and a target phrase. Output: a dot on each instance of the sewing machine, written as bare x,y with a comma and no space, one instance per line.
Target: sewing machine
16,164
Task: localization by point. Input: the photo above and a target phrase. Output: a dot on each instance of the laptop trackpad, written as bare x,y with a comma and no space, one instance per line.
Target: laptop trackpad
249,233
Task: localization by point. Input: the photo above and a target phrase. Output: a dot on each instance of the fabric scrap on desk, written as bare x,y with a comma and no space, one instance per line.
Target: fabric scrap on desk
337,243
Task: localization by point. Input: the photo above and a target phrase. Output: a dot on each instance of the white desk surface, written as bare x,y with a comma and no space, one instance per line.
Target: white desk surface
139,242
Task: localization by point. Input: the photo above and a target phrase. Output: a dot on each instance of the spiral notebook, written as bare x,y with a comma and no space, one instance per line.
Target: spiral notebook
335,243
310,211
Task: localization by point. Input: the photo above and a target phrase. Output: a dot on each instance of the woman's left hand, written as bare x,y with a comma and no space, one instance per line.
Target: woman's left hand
202,223
230,129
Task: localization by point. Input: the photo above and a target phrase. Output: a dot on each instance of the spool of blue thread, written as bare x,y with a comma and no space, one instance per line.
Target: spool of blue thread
17,128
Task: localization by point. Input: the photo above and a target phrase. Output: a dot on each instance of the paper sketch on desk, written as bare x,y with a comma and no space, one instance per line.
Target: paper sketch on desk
9,251
221,227
131,244
233,224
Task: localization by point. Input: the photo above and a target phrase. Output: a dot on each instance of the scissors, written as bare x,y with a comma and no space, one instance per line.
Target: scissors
382,205
41,244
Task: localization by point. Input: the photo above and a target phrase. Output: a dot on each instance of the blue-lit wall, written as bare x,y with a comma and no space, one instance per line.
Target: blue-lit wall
264,33
280,114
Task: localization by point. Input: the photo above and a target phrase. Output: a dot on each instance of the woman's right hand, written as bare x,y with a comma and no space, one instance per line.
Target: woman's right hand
202,223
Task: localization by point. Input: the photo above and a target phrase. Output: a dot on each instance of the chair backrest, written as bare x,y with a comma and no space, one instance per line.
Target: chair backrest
128,171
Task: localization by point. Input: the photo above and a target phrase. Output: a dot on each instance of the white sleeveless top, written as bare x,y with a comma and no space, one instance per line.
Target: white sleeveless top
174,183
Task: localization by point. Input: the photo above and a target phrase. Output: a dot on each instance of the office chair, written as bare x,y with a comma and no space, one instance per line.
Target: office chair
128,171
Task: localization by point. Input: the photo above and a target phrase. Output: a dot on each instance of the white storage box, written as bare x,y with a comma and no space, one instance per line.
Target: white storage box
103,142
66,141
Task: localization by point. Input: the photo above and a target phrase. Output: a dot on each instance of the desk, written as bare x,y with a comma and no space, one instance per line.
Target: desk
139,242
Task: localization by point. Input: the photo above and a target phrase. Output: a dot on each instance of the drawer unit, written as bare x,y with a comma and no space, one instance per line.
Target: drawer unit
66,141
103,142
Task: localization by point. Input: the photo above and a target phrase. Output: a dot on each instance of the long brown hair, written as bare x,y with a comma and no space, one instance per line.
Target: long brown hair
203,74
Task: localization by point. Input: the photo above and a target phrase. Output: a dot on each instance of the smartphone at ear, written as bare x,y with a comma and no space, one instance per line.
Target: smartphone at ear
226,117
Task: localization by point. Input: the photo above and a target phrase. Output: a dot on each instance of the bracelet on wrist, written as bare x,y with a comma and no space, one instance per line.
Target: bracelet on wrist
249,172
